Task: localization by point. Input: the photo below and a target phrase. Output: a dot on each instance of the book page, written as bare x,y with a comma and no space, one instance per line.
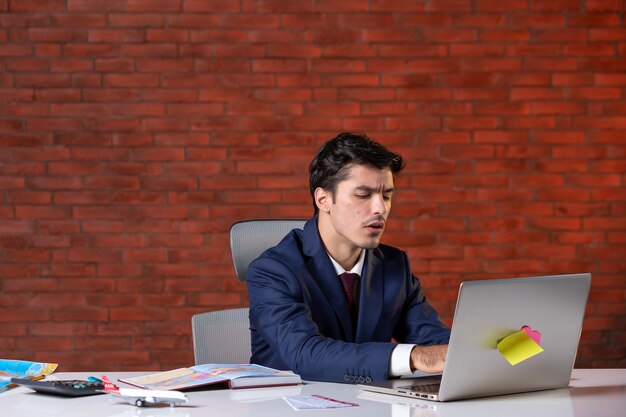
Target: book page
169,380
205,375
232,371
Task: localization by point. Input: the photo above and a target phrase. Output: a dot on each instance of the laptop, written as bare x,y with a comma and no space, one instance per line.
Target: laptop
488,311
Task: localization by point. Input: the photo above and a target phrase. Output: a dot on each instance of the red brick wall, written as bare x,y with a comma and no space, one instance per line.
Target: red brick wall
134,133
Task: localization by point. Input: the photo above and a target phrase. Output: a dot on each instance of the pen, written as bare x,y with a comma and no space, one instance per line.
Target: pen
12,384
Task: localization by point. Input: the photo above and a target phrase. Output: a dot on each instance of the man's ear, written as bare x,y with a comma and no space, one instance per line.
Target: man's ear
323,199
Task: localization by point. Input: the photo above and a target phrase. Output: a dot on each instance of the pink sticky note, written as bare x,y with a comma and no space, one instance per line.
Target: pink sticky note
533,334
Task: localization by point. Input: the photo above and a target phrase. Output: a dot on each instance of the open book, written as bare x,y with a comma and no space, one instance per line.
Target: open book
233,375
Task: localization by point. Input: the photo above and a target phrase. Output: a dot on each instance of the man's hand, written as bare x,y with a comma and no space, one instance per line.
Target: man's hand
429,359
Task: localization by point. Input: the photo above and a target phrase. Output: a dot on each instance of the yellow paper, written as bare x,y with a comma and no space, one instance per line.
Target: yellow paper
518,347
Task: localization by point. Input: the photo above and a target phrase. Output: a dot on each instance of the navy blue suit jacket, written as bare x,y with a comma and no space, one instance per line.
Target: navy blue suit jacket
300,320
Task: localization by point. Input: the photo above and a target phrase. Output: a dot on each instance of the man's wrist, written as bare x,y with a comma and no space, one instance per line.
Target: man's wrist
429,359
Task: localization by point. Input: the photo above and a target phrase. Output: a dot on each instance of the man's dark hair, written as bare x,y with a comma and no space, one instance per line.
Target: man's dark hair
334,158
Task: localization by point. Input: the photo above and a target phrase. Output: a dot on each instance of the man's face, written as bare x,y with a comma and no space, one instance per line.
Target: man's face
360,206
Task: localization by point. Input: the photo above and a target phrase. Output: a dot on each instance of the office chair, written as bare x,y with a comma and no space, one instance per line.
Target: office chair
221,336
224,336
250,238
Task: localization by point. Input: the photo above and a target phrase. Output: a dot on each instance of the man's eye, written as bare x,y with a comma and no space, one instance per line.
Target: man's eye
363,196
387,197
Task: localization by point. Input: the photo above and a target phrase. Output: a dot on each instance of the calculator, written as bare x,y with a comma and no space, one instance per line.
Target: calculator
66,388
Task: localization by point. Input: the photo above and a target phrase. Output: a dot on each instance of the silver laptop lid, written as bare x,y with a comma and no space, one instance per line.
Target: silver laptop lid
489,310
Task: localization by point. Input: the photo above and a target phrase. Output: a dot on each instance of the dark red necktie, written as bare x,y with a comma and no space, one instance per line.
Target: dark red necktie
347,281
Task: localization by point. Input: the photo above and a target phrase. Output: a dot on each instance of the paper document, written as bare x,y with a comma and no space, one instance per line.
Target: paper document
316,402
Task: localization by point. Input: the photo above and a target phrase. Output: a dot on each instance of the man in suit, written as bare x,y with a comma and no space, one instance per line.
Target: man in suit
306,316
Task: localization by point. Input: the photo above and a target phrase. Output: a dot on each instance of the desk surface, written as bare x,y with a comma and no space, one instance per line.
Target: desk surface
592,392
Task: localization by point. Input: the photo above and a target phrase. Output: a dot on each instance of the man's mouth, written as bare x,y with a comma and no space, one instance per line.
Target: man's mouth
376,226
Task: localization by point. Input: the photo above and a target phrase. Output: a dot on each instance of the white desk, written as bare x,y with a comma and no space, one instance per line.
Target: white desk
592,393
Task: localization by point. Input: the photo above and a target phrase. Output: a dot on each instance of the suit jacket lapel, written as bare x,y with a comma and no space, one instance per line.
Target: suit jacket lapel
324,273
371,296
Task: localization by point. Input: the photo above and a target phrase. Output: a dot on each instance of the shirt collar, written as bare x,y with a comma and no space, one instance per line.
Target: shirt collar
356,269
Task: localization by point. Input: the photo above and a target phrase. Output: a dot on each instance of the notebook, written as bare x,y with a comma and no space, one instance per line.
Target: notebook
487,312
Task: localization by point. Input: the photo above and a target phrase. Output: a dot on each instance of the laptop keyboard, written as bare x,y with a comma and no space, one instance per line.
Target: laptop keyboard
429,388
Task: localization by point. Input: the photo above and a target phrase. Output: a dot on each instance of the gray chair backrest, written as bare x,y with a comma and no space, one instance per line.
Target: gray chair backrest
221,336
224,336
250,238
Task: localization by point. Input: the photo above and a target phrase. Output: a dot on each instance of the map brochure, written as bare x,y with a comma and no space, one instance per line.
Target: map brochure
10,368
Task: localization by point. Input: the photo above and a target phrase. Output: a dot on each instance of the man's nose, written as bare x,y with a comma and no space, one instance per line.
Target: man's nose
378,205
